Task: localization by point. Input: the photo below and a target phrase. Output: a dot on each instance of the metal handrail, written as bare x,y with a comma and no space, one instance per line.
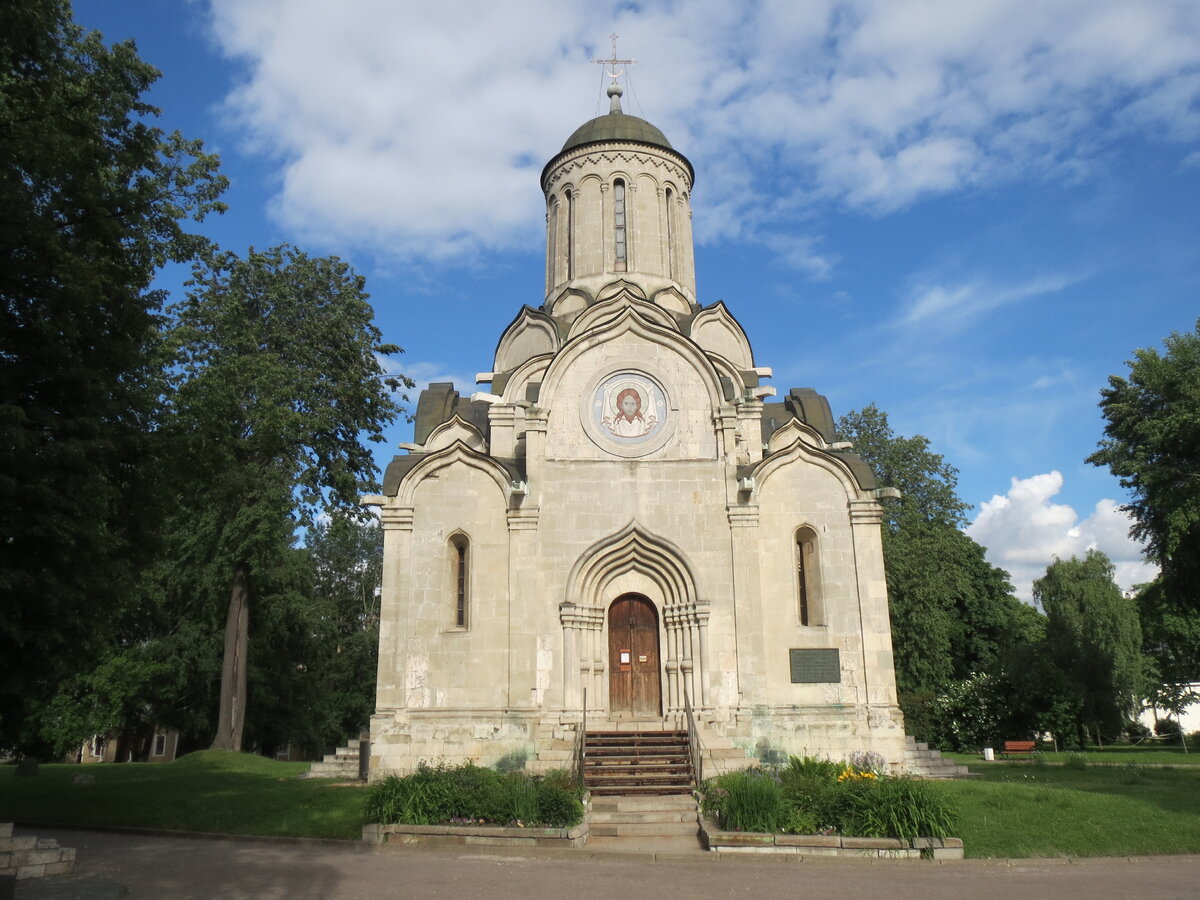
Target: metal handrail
693,736
582,738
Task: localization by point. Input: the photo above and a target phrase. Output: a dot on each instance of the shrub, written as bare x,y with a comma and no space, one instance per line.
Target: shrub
746,801
558,806
435,794
810,767
1168,728
1076,761
893,807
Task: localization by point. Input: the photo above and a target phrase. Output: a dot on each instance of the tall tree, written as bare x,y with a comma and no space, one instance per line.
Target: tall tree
1152,443
950,608
92,202
1094,640
278,378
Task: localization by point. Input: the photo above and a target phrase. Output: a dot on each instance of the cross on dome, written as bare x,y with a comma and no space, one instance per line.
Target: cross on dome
614,89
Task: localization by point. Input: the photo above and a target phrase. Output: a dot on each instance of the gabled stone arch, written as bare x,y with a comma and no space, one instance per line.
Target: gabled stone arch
532,333
792,431
683,617
452,431
729,371
618,287
456,454
569,303
599,315
673,300
716,330
644,320
514,388
632,548
800,452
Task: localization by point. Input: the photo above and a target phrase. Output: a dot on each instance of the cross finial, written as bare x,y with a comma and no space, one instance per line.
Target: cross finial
614,89
613,72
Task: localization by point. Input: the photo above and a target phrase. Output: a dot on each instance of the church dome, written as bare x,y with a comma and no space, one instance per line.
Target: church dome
616,126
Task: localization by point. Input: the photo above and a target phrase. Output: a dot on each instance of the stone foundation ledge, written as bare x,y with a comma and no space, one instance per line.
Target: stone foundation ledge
478,835
829,845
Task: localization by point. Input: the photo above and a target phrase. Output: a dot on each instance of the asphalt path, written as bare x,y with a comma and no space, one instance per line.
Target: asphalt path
113,865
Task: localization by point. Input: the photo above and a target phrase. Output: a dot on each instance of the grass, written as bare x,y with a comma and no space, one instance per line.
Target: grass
229,793
1010,810
1020,810
1120,754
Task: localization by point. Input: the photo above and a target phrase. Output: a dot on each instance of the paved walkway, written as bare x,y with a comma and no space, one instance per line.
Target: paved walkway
113,865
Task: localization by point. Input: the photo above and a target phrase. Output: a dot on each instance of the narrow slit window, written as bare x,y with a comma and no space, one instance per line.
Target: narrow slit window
461,558
807,578
670,233
570,235
619,224
552,249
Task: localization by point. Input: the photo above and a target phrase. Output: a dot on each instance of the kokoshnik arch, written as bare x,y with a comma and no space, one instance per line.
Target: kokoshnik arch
628,519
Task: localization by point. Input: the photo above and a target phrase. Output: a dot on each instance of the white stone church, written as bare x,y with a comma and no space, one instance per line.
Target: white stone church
626,523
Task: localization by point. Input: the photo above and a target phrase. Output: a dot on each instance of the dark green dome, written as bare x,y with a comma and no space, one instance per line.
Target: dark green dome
616,126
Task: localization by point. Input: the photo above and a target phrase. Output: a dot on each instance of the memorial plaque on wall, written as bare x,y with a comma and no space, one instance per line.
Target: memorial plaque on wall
810,666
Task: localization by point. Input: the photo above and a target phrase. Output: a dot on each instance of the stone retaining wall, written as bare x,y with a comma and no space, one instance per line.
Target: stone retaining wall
829,845
32,857
485,835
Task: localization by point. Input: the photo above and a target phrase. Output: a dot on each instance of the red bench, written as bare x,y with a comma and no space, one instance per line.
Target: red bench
1014,747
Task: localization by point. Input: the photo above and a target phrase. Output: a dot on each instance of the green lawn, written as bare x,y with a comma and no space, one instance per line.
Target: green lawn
1023,810
1009,810
230,793
1122,754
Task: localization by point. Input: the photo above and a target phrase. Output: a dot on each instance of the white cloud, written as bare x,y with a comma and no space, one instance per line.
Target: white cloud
421,128
947,308
1024,530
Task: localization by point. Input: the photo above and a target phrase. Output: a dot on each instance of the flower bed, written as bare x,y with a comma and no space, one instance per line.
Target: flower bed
823,808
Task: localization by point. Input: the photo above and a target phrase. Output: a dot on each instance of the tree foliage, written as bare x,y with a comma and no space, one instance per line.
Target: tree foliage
1094,640
93,200
950,608
277,377
1152,443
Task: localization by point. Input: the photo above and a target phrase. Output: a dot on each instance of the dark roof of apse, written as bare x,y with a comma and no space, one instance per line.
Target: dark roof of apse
618,126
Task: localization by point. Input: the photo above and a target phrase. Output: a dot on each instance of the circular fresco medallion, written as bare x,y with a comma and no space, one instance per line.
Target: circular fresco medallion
629,408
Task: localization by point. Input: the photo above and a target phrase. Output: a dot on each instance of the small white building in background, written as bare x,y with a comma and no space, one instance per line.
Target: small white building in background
627,519
1189,721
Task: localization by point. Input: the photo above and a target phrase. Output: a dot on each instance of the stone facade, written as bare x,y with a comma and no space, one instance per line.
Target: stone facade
626,449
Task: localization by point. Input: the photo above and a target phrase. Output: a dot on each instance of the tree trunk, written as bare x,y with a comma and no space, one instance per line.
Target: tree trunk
233,666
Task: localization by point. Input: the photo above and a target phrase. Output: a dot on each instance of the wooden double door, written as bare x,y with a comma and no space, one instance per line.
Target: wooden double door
634,681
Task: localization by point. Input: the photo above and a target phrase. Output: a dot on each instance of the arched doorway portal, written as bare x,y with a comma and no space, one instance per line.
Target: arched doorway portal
634,682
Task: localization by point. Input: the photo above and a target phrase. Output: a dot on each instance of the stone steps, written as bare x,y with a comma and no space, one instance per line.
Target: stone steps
638,762
641,817
923,762
32,857
342,763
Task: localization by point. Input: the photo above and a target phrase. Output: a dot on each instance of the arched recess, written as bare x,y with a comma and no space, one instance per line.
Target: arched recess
455,455
634,561
530,334
715,329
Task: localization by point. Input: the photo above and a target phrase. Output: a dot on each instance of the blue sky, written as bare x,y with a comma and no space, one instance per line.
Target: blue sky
969,214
